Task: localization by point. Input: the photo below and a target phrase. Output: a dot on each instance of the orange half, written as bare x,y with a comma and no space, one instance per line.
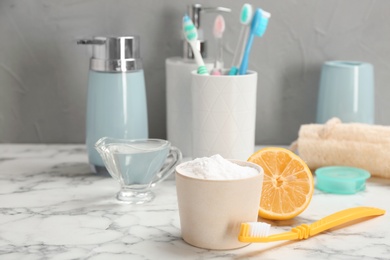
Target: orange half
288,183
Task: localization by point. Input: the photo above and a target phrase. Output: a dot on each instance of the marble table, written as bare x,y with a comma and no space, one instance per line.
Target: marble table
53,207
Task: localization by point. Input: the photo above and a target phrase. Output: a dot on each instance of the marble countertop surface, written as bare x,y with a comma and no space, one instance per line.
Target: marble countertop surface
53,207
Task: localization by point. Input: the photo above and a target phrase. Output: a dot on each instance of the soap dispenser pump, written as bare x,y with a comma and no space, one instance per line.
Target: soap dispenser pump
116,102
178,83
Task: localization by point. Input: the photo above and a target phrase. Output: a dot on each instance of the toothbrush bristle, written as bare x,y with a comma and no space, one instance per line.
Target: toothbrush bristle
189,29
219,26
263,27
256,20
265,14
246,14
259,229
260,22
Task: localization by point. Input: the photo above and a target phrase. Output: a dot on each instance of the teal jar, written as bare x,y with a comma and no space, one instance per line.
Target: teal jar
346,91
116,101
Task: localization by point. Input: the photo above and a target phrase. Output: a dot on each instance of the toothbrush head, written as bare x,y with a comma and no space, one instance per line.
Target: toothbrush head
259,229
219,26
264,22
260,22
189,29
246,14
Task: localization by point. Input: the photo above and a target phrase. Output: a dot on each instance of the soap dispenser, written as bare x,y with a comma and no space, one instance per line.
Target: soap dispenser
116,99
178,83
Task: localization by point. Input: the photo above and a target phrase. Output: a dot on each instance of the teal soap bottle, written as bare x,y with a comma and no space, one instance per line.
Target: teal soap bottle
116,100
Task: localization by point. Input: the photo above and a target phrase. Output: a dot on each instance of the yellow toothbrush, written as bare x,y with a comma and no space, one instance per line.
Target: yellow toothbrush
252,232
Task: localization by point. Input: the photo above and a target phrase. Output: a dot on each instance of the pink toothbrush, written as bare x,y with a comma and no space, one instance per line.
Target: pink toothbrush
219,28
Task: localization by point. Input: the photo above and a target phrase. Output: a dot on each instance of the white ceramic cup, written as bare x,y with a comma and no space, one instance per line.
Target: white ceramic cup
211,211
224,115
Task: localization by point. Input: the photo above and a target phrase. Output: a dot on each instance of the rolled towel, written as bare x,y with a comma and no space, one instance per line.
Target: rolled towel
347,144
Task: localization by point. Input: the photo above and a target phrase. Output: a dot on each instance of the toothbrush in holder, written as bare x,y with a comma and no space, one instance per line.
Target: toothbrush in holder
258,28
191,35
219,28
245,19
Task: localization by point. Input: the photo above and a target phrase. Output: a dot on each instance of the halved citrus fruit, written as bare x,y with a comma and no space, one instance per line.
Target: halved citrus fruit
288,183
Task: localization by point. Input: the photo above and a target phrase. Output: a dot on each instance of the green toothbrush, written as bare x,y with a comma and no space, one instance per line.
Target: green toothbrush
191,35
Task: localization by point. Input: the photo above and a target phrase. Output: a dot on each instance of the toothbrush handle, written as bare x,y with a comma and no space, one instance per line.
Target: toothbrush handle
219,59
245,40
198,57
199,60
244,62
282,236
343,217
240,44
239,51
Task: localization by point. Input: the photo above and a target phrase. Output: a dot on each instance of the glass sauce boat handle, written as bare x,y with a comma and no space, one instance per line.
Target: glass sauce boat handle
174,157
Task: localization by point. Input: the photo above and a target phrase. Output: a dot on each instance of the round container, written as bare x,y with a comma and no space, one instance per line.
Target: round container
211,211
341,179
346,91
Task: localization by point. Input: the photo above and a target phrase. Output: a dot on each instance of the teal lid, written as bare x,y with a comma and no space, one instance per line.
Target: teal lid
341,179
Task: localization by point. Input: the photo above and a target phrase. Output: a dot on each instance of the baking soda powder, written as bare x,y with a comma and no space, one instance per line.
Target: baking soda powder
216,168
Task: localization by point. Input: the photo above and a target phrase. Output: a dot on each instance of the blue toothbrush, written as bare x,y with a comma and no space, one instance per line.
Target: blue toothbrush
258,28
191,35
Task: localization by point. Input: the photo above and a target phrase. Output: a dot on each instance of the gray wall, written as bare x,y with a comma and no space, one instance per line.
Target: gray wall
43,73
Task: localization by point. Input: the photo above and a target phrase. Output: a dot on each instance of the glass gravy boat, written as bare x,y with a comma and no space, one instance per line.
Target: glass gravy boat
138,165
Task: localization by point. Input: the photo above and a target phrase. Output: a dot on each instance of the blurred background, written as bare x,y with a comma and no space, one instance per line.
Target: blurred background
44,74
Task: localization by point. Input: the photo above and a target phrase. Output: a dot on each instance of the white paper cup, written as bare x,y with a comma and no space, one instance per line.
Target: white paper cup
224,115
211,211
